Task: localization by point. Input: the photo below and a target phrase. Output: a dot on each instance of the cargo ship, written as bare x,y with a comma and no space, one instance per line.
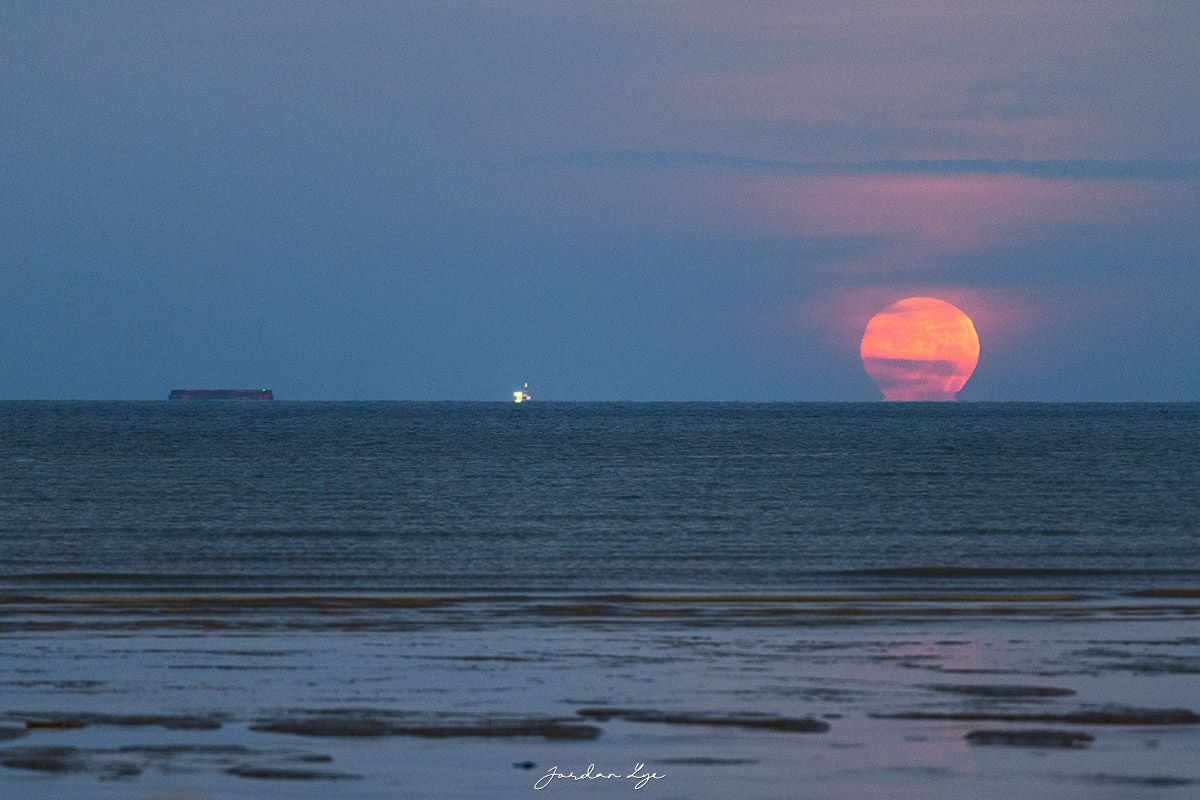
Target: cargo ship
221,394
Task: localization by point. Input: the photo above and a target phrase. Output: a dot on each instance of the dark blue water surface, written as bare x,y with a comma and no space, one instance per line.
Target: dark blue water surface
478,497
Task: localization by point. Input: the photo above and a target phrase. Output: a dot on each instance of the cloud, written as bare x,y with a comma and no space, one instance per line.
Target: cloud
1048,169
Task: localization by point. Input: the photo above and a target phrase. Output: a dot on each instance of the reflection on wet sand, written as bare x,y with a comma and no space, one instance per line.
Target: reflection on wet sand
1053,694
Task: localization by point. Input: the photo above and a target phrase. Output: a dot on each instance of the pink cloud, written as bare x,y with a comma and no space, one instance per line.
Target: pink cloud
925,216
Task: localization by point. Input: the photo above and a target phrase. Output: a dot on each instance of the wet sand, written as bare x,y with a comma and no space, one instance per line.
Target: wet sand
910,693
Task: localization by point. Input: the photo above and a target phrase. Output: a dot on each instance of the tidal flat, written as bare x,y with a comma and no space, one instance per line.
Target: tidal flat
923,694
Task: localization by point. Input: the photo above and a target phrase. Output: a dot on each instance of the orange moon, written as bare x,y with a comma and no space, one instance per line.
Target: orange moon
920,348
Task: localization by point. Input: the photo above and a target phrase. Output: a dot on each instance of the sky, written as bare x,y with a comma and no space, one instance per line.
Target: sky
612,201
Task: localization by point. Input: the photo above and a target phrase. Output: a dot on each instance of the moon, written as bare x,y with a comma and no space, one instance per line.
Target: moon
920,348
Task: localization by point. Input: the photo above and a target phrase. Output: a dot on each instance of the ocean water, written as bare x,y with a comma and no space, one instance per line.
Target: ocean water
374,601
606,497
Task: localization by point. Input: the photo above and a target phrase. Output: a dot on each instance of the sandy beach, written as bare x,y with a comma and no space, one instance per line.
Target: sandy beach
927,694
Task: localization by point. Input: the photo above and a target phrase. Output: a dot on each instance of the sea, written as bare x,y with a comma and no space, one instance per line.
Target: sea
402,599
430,497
